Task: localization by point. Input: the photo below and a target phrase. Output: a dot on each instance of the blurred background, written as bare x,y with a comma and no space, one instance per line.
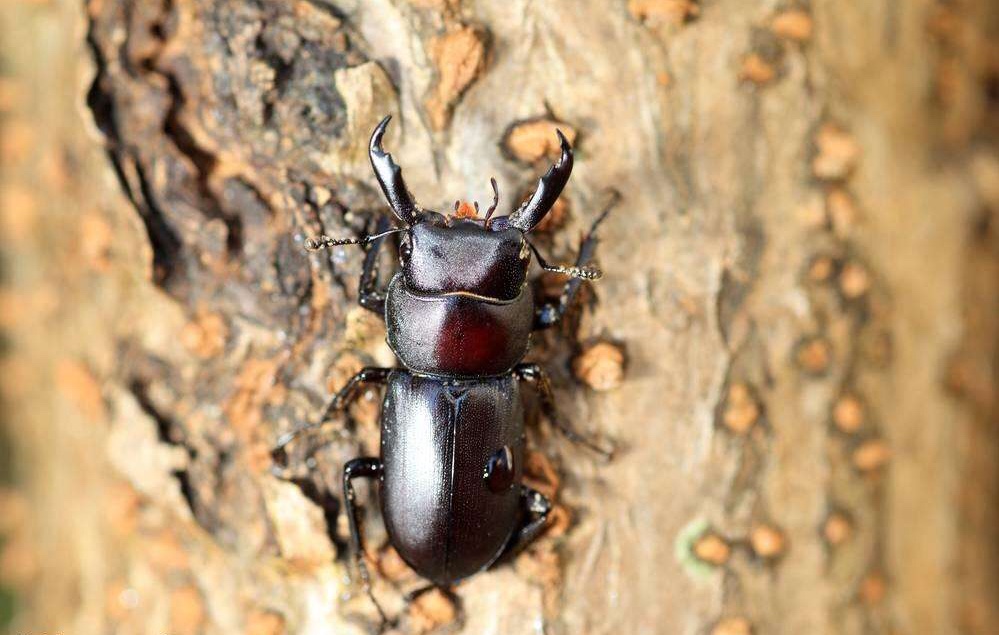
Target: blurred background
794,345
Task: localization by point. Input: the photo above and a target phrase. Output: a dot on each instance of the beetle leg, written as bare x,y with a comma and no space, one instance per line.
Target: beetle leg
365,467
367,375
550,313
369,295
534,373
536,508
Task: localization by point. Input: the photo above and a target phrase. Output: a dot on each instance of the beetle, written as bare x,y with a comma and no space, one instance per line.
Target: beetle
459,316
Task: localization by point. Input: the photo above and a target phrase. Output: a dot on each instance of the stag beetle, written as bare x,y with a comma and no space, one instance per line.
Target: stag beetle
459,317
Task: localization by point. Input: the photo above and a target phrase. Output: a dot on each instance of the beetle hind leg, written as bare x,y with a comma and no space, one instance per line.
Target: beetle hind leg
536,509
364,467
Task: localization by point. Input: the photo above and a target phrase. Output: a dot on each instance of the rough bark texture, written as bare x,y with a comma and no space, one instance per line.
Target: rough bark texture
802,274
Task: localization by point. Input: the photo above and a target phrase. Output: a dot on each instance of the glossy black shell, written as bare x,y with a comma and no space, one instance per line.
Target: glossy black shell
445,513
457,334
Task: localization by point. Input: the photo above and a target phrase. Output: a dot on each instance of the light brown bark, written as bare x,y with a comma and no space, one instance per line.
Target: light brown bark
802,274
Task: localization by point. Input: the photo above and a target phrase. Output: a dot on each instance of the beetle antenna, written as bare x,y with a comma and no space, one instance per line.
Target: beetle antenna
585,272
492,208
315,244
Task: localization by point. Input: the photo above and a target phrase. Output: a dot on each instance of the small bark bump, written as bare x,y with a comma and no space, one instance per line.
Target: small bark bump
600,366
838,153
794,24
712,549
742,410
767,541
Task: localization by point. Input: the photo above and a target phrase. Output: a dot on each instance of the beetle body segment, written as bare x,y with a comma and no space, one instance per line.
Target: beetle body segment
457,334
437,441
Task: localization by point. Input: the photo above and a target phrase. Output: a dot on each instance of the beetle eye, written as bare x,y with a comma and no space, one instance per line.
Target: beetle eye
405,249
499,471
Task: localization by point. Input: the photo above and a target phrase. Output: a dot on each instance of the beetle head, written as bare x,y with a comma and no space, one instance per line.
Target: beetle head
441,255
484,257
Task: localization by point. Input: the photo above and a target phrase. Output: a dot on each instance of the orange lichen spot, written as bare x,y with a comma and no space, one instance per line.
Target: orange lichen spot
854,280
767,541
460,57
187,611
96,238
821,269
793,24
205,335
842,210
814,354
534,139
757,70
78,384
732,626
600,366
848,414
871,455
264,623
18,213
873,588
838,153
431,610
121,506
664,79
741,409
18,140
837,529
712,548
254,385
655,12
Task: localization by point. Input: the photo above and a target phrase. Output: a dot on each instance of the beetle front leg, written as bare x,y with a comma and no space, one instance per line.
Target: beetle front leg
369,295
364,467
367,375
551,313
534,373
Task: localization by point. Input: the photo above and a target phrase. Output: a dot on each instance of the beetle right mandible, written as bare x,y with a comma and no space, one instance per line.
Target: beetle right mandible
459,317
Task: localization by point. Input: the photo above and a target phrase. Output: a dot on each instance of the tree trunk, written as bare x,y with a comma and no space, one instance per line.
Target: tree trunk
802,276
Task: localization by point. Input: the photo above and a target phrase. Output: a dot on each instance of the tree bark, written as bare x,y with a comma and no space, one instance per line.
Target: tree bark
802,276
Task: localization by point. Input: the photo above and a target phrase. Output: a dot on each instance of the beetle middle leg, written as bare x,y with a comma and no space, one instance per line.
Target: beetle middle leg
363,467
534,373
367,375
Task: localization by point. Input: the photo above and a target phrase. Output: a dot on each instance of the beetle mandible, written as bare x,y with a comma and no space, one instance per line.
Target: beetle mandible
459,316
